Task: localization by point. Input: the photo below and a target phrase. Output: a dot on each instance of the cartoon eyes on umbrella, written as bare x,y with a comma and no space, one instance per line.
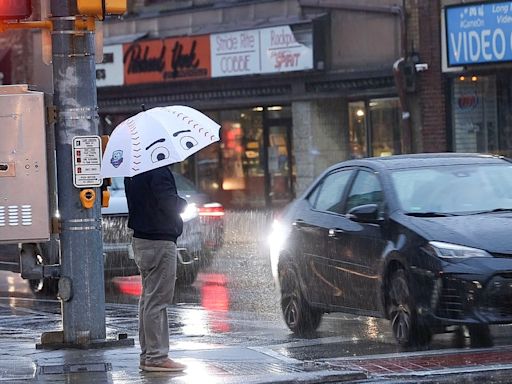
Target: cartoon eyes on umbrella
188,142
159,154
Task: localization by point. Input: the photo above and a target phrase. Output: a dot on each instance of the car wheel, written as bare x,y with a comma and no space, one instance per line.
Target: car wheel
480,335
298,314
403,314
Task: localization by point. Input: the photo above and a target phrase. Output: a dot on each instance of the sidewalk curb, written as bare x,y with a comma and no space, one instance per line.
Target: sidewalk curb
317,377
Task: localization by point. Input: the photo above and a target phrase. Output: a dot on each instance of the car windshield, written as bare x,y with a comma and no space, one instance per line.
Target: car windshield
455,189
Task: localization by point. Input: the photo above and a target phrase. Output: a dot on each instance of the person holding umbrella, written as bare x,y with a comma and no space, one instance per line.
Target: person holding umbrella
141,149
154,209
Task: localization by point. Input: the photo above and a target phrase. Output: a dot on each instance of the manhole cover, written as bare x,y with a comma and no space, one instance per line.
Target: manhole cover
256,368
18,369
74,368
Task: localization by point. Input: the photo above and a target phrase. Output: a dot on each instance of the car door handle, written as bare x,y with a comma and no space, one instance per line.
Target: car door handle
333,232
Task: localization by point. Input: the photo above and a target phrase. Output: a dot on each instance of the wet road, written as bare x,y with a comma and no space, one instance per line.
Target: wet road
233,302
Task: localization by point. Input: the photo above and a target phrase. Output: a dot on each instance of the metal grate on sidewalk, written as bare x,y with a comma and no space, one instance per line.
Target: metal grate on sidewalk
254,368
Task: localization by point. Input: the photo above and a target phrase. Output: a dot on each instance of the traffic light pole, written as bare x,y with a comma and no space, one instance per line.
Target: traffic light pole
81,286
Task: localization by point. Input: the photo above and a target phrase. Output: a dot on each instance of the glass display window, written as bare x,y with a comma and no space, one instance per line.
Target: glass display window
474,114
374,127
251,166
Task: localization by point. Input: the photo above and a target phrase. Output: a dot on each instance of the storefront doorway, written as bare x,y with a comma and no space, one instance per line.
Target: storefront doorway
375,127
252,166
279,161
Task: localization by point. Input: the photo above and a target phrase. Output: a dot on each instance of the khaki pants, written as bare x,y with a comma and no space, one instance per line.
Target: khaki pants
156,260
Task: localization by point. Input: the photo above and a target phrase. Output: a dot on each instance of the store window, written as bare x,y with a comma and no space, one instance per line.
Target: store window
375,127
475,114
251,167
357,129
385,126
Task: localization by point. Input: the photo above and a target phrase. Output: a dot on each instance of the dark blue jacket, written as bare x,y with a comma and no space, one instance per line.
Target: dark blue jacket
154,206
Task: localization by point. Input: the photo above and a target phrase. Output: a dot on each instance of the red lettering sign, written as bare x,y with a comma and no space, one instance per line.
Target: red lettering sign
171,59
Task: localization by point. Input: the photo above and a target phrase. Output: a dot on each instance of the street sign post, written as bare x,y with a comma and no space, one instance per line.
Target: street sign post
81,285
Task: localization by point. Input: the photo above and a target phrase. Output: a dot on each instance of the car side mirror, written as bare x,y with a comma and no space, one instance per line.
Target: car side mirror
367,213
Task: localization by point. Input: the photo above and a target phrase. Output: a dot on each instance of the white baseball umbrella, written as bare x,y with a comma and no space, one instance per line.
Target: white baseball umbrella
157,137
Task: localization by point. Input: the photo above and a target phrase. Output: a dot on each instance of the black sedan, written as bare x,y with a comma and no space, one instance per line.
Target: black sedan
423,240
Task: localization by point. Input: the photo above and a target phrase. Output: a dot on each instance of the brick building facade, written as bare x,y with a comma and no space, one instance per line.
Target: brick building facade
282,127
432,88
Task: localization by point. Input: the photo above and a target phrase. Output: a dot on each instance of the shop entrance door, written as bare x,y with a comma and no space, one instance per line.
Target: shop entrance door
278,159
375,127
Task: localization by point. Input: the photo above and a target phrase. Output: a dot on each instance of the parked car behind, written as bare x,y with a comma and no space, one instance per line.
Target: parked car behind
203,234
423,240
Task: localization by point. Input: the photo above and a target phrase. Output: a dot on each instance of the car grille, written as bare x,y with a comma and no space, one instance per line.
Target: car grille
451,303
496,299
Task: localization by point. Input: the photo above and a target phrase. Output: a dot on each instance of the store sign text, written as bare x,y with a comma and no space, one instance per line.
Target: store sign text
169,59
267,50
478,34
139,60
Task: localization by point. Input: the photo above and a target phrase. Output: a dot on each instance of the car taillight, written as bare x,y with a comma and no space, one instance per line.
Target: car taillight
211,210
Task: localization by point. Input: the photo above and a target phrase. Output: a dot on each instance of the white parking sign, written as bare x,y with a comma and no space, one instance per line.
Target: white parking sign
87,161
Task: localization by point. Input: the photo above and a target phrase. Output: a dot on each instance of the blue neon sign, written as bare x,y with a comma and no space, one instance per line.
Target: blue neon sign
479,33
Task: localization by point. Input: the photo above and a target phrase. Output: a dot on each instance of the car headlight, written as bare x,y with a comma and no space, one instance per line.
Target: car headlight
277,236
276,242
454,251
190,212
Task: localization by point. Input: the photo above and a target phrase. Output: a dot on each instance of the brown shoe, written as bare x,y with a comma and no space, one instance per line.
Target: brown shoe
166,365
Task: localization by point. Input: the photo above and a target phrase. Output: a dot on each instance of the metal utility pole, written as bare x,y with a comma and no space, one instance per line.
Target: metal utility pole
81,286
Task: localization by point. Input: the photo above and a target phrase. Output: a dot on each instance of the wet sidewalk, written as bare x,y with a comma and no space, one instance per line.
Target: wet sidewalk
22,362
430,363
